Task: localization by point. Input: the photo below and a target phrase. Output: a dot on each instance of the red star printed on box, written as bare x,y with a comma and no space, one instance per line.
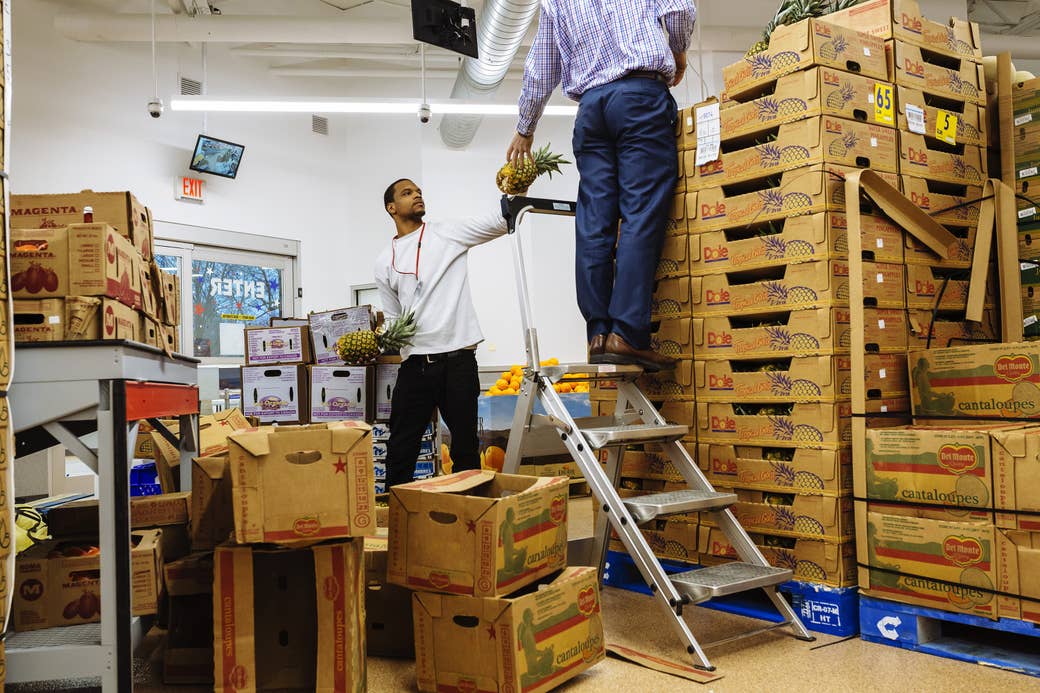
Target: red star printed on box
471,526
491,632
340,466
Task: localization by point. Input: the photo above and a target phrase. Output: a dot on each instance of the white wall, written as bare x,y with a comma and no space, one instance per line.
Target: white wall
79,121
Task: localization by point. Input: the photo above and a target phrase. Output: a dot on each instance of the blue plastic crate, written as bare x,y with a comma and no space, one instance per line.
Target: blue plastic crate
144,480
424,469
426,447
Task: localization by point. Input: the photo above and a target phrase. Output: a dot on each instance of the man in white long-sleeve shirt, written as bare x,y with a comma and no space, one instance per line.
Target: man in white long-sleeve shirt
424,269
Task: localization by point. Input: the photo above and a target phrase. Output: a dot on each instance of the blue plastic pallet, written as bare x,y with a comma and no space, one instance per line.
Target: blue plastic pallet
823,609
1005,644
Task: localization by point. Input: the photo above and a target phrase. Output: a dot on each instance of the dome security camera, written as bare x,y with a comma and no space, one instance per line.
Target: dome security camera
424,113
155,107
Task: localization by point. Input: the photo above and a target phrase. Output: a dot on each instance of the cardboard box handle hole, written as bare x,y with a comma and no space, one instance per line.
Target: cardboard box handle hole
466,621
303,457
443,518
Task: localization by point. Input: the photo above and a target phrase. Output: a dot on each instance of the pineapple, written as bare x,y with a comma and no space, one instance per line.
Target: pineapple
768,108
789,108
803,390
841,146
803,524
769,155
832,49
804,342
516,181
779,338
793,11
806,433
793,154
776,293
776,247
772,201
796,200
798,249
838,99
362,348
807,570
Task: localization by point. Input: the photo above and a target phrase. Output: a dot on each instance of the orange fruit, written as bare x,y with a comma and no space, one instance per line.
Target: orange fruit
506,375
517,370
502,383
446,462
493,458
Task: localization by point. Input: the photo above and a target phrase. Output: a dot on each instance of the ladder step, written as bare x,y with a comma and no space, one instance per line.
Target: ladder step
646,508
580,372
601,437
728,578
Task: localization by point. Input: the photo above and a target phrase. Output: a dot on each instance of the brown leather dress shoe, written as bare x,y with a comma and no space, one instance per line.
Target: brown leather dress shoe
618,351
596,346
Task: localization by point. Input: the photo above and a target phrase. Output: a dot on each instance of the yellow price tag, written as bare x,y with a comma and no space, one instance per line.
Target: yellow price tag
884,112
946,127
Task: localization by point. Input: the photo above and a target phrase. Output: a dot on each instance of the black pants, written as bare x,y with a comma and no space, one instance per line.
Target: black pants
449,384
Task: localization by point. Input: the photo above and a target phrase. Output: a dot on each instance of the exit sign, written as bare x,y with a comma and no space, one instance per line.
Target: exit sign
190,189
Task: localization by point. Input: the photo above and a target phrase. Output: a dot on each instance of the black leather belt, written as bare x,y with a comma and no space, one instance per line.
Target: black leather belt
646,74
443,356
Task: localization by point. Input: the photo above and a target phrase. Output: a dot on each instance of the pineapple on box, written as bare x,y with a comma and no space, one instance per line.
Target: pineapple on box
790,515
794,11
811,560
954,204
823,139
802,45
929,158
783,470
971,118
917,69
672,299
676,225
674,338
799,379
675,257
790,241
516,180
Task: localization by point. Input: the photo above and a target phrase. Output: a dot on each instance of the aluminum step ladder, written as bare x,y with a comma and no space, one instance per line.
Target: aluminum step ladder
636,421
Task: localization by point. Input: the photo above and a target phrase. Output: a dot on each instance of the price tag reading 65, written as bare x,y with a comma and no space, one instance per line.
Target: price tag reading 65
884,113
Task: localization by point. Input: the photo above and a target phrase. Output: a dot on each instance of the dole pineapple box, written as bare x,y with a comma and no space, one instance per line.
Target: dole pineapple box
811,560
798,333
533,641
817,140
792,240
296,484
674,539
926,157
964,80
956,205
928,331
800,379
477,532
675,384
674,338
642,464
903,20
924,284
675,257
822,425
818,91
957,255
979,381
672,299
918,115
808,190
805,44
781,470
677,224
803,517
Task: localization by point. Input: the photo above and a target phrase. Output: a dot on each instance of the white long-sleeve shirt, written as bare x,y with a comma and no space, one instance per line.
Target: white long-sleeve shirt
433,281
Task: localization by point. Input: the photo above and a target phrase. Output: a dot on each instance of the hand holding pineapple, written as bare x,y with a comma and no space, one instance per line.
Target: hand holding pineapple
517,174
364,347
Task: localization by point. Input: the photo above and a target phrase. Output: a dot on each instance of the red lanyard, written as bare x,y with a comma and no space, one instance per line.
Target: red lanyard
418,250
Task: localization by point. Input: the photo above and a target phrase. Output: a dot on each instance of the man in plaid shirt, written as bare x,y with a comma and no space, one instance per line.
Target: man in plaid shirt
617,58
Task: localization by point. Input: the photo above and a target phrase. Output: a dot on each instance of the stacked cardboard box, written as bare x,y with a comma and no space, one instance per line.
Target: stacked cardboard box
1025,142
951,518
426,465
496,608
80,277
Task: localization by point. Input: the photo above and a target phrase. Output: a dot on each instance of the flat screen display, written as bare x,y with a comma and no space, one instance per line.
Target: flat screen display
218,157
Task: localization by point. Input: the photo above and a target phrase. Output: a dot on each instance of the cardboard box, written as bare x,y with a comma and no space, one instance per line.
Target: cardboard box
826,426
924,157
795,287
277,345
342,392
520,532
930,74
80,518
388,608
1029,242
315,607
956,205
121,210
812,561
945,331
543,638
818,91
780,470
1025,99
294,484
39,321
971,118
677,220
39,263
59,582
903,20
806,44
675,384
674,338
386,380
802,379
144,448
149,295
276,393
672,299
796,239
103,263
169,297
674,539
675,257
816,140
957,255
808,190
214,430
92,318
805,517
649,465
924,284
328,327
212,514
984,381
189,640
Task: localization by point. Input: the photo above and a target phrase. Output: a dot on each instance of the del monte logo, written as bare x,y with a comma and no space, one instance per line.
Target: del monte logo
1013,367
587,602
958,458
962,551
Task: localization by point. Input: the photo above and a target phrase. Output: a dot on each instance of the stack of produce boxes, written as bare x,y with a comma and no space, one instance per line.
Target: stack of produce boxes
1026,143
939,106
496,607
952,516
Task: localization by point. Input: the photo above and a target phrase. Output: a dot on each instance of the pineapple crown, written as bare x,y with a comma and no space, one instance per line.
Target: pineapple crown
398,333
794,11
547,162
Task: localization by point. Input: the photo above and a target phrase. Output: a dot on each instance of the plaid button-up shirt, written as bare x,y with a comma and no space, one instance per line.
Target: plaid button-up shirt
588,43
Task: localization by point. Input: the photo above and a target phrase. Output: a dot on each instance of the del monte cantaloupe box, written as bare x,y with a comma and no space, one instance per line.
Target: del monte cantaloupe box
989,380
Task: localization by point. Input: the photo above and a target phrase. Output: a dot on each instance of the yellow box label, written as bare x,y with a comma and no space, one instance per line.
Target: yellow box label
883,99
946,127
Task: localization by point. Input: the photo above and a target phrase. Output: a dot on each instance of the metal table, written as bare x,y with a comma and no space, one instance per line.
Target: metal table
61,392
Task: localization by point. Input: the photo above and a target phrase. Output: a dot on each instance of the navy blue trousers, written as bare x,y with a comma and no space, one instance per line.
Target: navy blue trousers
624,143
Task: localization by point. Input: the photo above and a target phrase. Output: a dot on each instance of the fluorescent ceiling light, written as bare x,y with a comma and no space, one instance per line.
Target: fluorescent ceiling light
386,106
